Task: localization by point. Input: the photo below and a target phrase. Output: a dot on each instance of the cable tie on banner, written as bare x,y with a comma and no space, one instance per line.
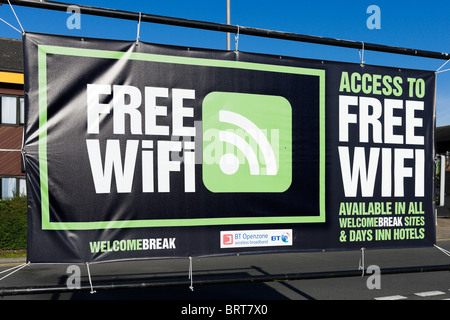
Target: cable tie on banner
190,274
11,25
11,150
361,55
90,280
13,270
236,40
23,31
443,250
361,261
437,71
138,29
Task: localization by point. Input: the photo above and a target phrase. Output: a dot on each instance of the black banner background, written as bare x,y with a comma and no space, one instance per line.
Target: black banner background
68,221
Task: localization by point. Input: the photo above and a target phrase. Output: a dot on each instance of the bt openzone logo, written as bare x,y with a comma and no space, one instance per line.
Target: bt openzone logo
227,239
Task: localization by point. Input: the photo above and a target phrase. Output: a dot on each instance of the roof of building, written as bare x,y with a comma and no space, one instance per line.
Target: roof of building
443,133
11,56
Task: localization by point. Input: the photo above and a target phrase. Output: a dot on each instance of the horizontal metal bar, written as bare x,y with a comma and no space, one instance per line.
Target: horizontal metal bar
128,15
198,281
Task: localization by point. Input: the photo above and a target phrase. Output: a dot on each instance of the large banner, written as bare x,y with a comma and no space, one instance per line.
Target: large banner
135,150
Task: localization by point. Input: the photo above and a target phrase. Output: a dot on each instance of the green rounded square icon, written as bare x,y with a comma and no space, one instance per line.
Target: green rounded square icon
247,142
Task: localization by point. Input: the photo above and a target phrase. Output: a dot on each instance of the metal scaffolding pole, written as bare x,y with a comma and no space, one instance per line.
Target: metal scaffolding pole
228,22
217,280
128,15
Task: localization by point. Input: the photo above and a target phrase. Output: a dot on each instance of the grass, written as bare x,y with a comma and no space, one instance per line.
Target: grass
13,253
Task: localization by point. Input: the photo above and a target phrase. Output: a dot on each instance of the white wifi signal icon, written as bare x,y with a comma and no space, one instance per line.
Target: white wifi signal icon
229,162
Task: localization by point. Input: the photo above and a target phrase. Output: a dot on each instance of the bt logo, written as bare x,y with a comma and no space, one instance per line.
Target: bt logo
284,237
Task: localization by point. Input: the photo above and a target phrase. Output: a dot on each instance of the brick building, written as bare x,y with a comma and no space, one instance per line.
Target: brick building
12,118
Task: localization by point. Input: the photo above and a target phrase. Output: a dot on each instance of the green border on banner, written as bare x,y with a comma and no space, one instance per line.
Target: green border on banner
43,50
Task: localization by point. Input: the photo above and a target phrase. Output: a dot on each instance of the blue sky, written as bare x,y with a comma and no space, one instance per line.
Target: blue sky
412,24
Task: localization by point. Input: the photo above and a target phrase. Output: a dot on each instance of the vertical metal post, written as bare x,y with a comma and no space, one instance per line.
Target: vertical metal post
228,22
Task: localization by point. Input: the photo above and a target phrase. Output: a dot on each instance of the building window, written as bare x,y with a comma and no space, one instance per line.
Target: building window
12,186
9,110
12,110
21,110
